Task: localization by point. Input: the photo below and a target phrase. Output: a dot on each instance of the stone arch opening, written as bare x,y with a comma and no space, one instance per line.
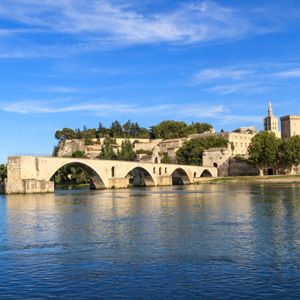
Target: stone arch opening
215,165
76,173
195,174
113,172
180,177
206,173
140,177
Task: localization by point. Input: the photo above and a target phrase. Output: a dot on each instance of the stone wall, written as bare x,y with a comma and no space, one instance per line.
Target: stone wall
22,177
241,168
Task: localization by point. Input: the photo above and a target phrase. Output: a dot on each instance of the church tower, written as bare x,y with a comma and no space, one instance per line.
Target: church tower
271,122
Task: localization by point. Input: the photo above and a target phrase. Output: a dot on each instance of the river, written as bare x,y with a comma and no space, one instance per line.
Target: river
218,241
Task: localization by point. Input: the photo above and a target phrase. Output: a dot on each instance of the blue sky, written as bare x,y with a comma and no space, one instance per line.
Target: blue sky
71,63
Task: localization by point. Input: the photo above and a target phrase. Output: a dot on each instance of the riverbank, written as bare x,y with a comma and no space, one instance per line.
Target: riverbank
260,179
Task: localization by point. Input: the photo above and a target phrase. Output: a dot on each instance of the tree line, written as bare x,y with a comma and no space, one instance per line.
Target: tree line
267,151
163,130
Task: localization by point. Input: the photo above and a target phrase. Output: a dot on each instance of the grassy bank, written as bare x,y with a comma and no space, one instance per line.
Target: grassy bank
246,179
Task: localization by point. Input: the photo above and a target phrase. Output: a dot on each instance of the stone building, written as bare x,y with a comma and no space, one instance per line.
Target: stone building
226,164
218,158
239,141
271,122
171,146
290,126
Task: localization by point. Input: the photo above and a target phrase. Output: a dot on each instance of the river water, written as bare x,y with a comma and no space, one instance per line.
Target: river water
206,241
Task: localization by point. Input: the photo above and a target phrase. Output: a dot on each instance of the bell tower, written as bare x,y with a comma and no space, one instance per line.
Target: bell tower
271,122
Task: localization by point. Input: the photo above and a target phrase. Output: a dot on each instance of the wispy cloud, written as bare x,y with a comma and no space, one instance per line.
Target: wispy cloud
221,73
242,119
247,79
203,112
218,113
242,88
42,107
294,73
108,108
102,24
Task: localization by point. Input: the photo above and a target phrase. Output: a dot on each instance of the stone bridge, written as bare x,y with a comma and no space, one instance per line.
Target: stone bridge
29,174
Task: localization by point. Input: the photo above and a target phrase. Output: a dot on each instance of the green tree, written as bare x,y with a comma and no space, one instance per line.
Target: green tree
289,151
127,153
3,172
191,152
263,150
169,129
143,133
200,127
65,134
127,127
78,154
88,135
166,159
108,149
102,131
116,130
69,175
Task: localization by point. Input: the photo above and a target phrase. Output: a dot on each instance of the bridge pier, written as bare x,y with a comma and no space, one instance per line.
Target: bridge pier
164,180
118,183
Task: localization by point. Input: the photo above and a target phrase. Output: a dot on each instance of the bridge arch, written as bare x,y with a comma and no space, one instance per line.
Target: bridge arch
206,173
96,181
180,177
139,176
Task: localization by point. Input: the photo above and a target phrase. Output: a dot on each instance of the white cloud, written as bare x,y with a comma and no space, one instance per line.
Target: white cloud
219,114
294,73
108,108
242,88
102,24
242,119
247,78
201,111
222,73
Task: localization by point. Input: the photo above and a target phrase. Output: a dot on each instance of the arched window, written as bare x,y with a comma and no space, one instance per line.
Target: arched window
159,171
154,170
166,170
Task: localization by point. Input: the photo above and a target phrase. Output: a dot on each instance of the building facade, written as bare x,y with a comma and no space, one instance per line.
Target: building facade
238,142
290,126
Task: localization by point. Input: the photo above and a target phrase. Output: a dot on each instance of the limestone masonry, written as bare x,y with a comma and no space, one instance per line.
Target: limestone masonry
290,126
27,174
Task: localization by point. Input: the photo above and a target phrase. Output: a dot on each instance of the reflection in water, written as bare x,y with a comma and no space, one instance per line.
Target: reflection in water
217,241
